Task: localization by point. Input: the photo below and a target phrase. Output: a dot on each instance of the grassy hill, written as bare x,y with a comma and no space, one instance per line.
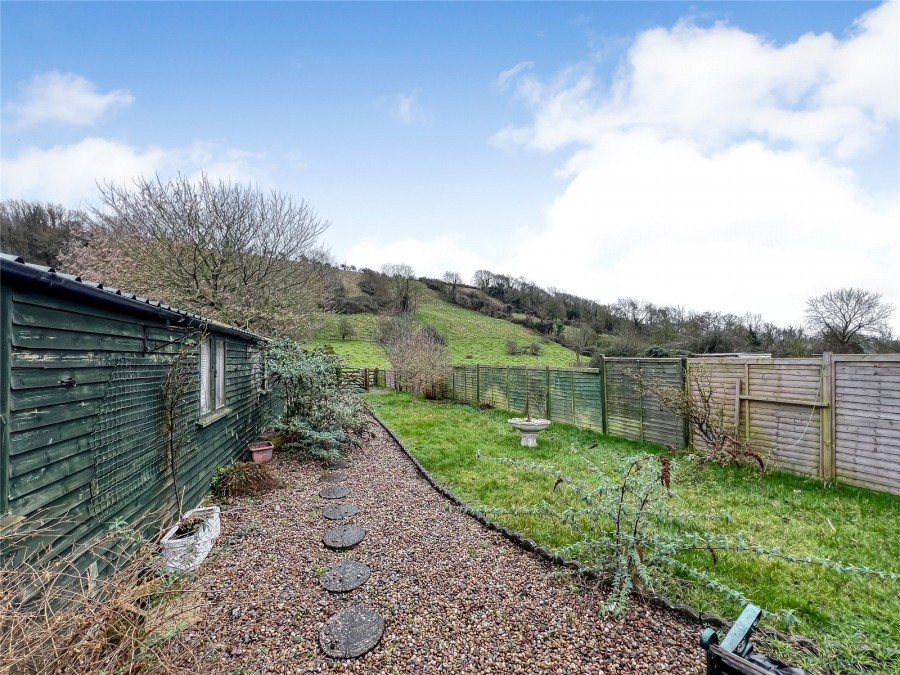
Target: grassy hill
472,337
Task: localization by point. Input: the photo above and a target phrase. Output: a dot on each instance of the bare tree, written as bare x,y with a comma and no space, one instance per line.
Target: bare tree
580,338
402,288
847,318
452,279
37,232
233,252
420,362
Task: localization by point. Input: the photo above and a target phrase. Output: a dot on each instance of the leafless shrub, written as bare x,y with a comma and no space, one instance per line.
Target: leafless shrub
419,361
701,409
244,479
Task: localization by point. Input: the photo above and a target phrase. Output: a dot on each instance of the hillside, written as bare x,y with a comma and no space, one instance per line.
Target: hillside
472,337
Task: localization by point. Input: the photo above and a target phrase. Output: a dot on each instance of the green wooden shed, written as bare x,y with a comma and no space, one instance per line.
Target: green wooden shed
82,366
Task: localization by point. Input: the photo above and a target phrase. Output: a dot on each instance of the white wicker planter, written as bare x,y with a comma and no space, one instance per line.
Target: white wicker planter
185,554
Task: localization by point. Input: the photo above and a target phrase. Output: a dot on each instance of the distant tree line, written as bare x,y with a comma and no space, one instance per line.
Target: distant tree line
254,259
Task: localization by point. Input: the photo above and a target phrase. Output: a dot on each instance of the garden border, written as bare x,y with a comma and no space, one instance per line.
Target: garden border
683,610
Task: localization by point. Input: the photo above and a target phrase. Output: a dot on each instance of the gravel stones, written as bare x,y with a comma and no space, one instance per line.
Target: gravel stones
339,464
351,633
456,597
333,477
340,511
343,536
345,576
334,492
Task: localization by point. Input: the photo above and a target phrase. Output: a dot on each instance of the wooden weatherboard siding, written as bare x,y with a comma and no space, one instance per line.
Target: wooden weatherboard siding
50,459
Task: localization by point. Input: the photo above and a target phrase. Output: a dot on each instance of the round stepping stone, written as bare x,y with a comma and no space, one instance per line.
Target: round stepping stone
340,511
345,576
343,536
334,492
351,633
333,477
340,464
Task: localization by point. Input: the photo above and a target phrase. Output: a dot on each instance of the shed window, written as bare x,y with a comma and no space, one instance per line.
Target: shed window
205,376
220,373
212,375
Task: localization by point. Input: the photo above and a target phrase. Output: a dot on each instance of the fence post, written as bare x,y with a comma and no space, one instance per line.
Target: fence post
640,393
686,384
508,406
601,376
827,467
547,385
572,384
366,377
477,383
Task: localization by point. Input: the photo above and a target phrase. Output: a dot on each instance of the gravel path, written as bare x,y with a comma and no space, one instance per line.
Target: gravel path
456,598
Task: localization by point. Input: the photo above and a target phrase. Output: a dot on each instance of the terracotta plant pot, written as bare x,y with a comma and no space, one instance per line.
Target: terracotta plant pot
261,451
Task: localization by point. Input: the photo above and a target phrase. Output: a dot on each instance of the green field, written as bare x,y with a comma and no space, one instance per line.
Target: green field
854,619
472,337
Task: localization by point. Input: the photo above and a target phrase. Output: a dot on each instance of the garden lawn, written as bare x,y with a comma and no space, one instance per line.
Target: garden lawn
854,619
473,337
357,353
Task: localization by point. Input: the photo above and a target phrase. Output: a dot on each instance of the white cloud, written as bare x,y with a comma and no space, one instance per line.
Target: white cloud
406,108
66,98
716,172
718,85
69,174
507,76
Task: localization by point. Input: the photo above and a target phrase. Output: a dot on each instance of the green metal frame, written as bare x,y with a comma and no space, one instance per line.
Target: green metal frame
737,640
5,393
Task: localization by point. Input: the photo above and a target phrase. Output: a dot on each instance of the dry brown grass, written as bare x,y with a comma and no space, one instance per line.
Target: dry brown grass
60,616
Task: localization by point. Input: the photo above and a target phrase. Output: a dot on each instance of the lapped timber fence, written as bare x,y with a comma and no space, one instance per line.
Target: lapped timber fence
834,417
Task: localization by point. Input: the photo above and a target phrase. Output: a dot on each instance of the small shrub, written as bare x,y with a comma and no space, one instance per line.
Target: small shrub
624,531
319,418
244,479
536,349
512,347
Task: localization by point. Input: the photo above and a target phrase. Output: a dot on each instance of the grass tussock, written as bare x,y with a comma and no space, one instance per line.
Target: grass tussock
106,607
244,479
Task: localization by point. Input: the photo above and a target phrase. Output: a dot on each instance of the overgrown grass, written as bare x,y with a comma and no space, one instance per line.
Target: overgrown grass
358,353
854,620
472,337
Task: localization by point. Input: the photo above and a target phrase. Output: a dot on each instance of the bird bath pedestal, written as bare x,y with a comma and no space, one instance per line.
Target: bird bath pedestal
529,429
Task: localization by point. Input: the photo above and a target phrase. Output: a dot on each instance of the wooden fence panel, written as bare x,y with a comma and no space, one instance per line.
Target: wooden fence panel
775,404
637,415
867,422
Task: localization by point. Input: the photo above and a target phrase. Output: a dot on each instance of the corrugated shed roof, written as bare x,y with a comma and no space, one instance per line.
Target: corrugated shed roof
134,297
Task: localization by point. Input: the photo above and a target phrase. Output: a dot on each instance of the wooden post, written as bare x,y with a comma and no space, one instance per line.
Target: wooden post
508,406
366,378
5,388
547,394
477,384
826,427
737,406
572,384
640,393
686,383
747,403
604,426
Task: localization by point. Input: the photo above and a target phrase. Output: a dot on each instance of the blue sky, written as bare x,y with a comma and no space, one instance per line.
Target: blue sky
731,156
